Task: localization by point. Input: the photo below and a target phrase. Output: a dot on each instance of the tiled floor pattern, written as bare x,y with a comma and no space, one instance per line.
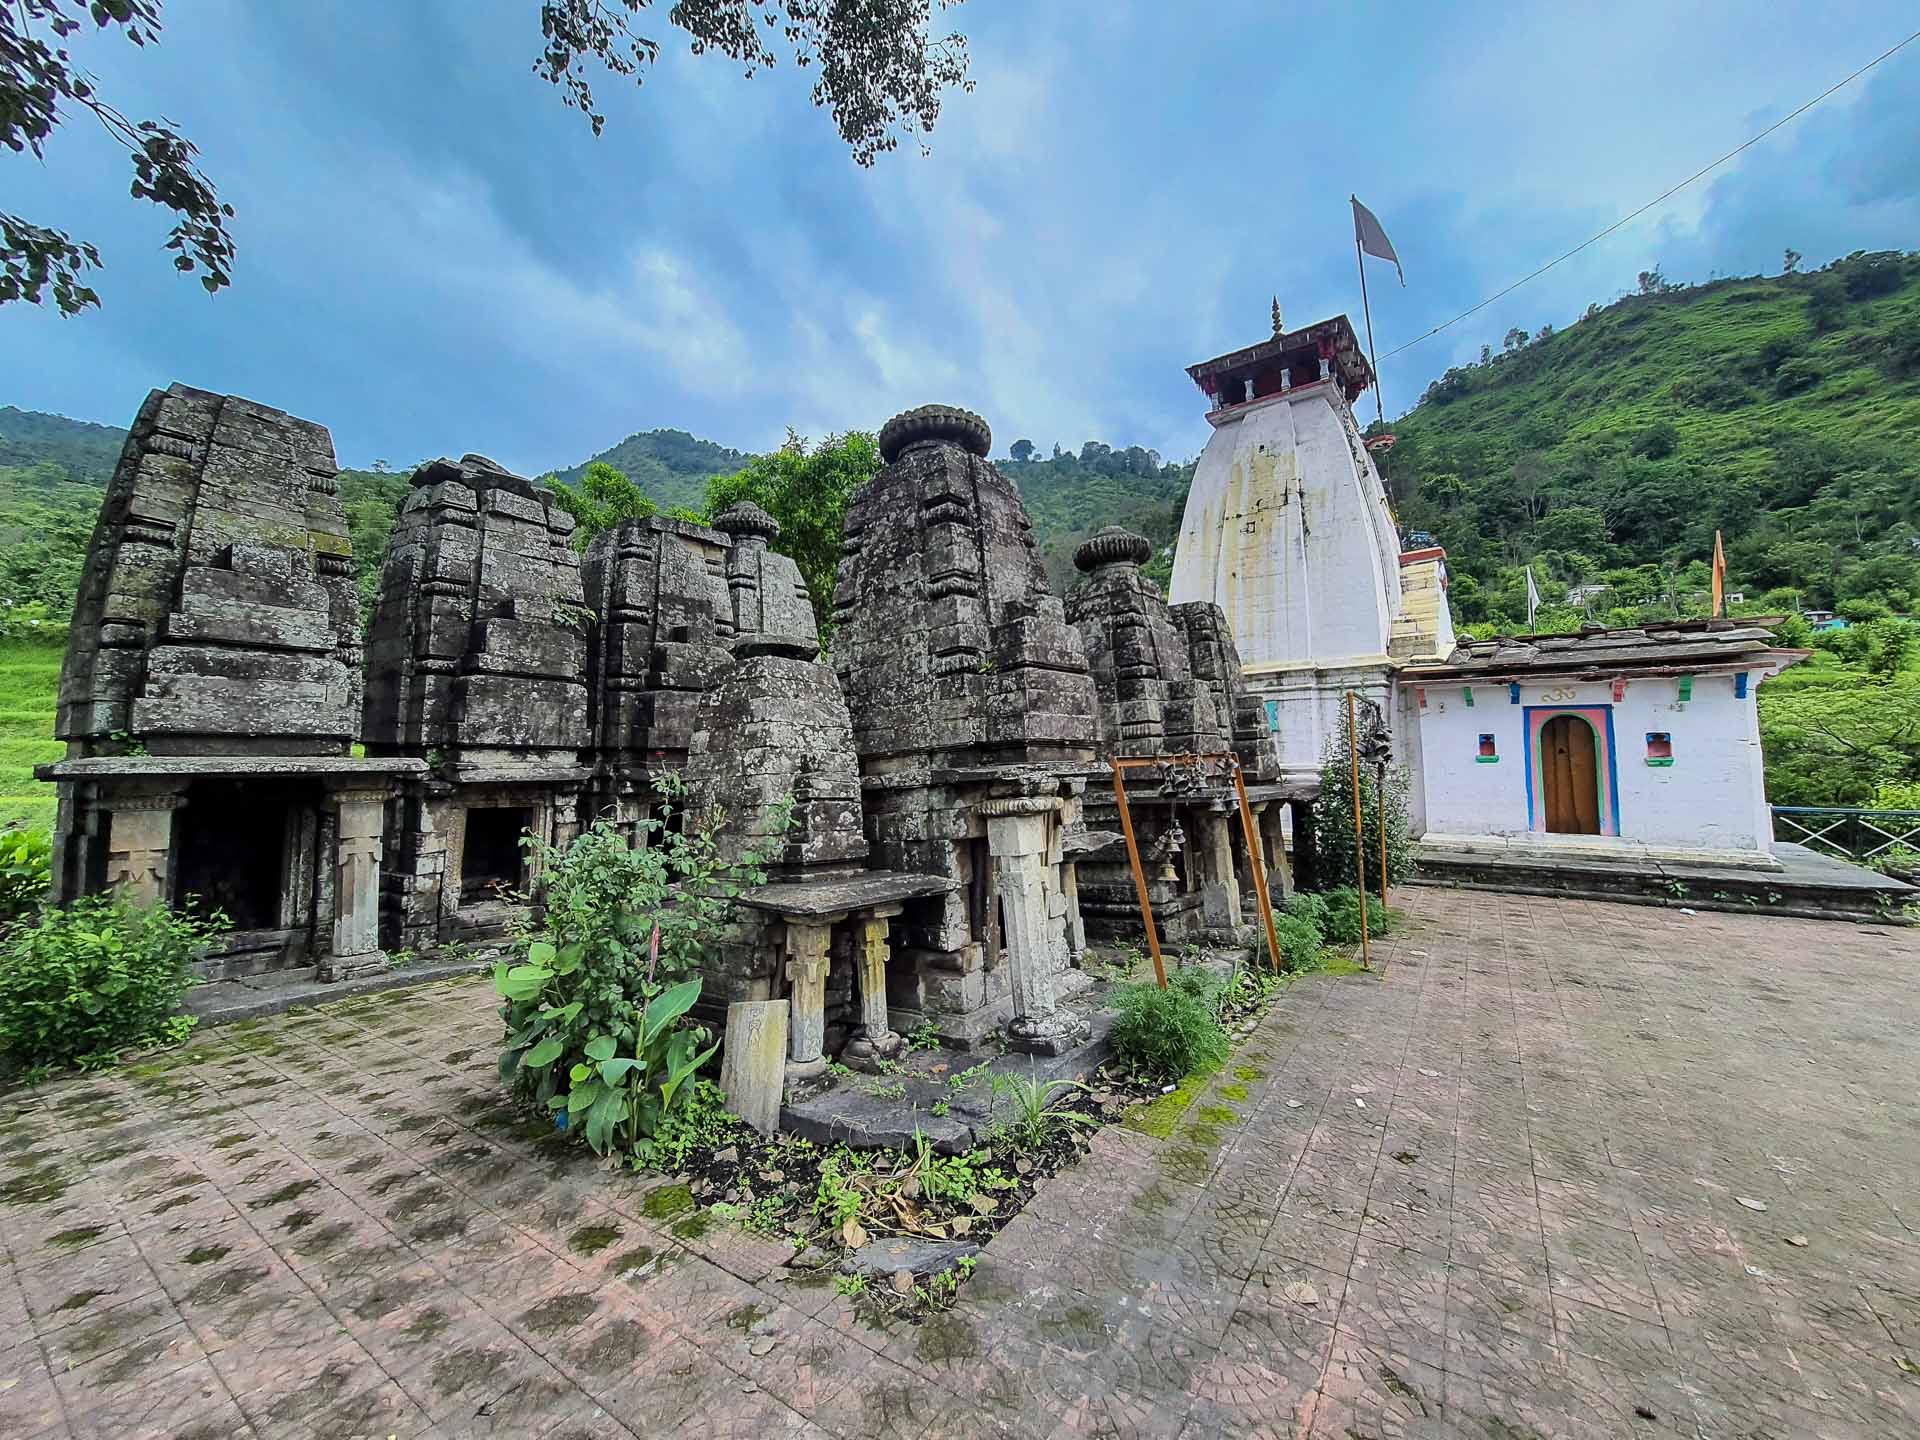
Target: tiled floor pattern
1558,1169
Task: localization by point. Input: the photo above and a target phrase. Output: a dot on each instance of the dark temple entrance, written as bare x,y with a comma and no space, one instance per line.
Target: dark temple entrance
232,850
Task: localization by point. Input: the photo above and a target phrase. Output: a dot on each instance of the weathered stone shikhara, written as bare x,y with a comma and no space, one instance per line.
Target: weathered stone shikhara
937,772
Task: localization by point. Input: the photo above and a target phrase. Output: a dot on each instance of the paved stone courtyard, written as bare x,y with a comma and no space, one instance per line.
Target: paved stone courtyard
1560,1169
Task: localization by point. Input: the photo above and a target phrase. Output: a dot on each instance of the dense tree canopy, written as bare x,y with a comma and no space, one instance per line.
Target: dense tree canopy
806,488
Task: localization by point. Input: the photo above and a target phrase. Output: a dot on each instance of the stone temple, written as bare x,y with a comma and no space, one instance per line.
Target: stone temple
951,828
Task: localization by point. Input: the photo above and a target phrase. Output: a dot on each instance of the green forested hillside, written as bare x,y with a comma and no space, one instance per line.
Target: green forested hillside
1070,496
1783,411
672,466
81,450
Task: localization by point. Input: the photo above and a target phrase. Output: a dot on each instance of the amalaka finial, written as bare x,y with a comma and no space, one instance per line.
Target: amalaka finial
1276,315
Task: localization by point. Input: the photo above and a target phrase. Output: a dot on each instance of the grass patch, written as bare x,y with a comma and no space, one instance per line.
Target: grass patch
29,690
1158,1117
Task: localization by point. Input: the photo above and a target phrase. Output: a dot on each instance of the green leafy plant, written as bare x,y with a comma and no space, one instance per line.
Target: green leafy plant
851,1286
94,978
1309,908
961,1079
699,1122
1299,940
1037,1112
1342,925
595,1016
26,869
1166,1034
1333,815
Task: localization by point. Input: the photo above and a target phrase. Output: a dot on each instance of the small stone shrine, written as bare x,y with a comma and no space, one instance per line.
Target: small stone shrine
1169,684
974,717
477,660
211,692
774,730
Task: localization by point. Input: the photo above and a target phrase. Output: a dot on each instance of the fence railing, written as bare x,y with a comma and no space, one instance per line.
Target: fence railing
1853,834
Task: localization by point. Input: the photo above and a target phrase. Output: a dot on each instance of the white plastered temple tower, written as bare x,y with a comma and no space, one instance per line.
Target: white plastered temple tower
1288,530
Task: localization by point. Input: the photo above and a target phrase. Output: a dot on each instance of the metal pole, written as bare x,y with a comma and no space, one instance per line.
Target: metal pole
1379,407
1259,869
1139,876
1359,829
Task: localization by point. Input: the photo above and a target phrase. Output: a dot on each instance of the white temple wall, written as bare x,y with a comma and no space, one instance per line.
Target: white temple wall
1712,797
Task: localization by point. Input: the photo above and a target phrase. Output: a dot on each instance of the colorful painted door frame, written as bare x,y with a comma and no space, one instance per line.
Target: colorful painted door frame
1600,718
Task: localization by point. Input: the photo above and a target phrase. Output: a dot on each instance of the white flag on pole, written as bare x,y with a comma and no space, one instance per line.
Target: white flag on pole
1533,599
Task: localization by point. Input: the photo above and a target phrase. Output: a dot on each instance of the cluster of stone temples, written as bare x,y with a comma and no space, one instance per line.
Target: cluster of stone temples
232,743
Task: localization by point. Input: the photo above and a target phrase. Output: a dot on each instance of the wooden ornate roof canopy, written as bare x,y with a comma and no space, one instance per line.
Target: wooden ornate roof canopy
1298,350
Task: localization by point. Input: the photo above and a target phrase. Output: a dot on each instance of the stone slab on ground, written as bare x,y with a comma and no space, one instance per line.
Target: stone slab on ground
1560,1168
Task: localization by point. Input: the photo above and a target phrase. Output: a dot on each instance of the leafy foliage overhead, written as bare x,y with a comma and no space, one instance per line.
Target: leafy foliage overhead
879,70
40,86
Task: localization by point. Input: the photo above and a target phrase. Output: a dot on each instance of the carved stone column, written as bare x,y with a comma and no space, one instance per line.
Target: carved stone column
1273,852
1017,838
876,1040
140,842
359,825
1219,892
809,938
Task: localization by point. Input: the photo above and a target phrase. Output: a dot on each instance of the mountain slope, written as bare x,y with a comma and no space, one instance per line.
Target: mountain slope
1783,411
671,466
83,450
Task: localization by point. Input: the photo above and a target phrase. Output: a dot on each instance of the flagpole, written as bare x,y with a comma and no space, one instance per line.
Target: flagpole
1366,309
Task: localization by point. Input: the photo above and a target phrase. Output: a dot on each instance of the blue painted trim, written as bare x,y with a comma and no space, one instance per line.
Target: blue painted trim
1740,686
1513,693
1273,716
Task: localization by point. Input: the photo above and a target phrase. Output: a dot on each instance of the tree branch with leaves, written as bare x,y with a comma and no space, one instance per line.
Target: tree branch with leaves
881,72
41,87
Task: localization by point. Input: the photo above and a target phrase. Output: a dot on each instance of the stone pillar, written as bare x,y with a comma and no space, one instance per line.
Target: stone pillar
876,1041
1219,891
1273,852
809,938
358,837
140,842
752,1067
1017,838
1076,924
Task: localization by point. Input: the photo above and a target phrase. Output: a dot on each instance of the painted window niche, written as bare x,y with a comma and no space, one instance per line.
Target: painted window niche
1659,747
1572,787
1489,753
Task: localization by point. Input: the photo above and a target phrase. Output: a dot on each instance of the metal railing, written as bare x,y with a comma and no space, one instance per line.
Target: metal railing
1853,834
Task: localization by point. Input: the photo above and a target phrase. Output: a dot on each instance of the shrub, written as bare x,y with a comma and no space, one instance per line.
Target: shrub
595,1032
94,978
1166,1034
1310,908
1343,916
1333,812
1299,941
26,869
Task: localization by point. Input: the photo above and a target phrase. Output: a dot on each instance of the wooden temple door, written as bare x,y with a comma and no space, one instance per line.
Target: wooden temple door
1570,782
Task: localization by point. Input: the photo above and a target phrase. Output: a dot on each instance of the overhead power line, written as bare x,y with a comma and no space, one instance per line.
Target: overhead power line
1664,195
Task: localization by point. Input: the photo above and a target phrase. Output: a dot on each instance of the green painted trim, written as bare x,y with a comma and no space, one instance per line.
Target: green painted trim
1487,759
1467,690
1658,760
1686,687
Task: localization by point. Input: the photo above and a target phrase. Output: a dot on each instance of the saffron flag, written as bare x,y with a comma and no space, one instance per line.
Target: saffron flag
1372,239
1719,575
1533,599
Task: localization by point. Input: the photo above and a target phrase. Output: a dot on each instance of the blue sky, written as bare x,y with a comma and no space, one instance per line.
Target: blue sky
435,256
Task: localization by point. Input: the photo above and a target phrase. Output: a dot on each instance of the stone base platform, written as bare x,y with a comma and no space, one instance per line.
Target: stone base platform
249,997
1800,882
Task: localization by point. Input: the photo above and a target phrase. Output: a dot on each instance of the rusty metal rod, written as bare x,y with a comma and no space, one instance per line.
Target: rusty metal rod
1139,875
1259,868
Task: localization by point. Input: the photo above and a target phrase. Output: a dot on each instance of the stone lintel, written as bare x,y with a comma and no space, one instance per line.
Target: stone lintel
188,767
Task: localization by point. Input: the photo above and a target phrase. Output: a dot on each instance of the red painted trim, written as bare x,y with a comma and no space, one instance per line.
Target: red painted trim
1431,552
